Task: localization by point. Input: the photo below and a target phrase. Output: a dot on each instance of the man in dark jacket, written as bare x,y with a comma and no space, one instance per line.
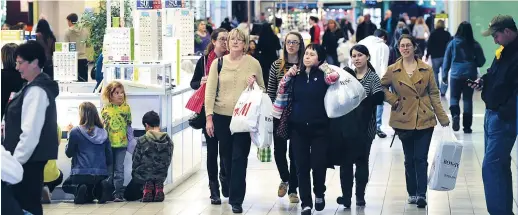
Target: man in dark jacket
151,160
31,125
366,28
499,91
437,44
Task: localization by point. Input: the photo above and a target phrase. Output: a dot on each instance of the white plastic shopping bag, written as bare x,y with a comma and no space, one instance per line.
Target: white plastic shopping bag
246,112
263,137
344,95
446,163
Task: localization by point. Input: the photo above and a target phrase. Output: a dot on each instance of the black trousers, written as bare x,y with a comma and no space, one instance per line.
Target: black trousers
28,191
92,182
134,191
416,144
82,70
11,206
310,144
234,153
357,152
280,148
212,158
53,184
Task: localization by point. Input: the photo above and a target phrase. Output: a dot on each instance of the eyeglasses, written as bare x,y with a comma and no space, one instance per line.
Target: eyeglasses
236,40
222,39
292,43
409,45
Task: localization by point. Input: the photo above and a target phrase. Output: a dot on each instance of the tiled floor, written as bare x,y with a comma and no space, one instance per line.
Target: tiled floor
386,193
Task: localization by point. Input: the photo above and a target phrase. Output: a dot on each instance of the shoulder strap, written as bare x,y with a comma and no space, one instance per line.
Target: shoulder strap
220,64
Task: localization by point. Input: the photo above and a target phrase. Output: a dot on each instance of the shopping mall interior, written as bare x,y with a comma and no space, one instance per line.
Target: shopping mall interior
153,48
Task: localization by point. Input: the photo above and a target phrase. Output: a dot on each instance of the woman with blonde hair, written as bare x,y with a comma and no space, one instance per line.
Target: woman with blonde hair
421,32
237,72
330,41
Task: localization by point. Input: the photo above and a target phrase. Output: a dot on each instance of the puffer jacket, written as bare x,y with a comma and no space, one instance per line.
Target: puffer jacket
463,59
152,157
91,153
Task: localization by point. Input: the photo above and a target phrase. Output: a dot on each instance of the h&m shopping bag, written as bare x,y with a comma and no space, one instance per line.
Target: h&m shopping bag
246,112
344,95
263,137
446,163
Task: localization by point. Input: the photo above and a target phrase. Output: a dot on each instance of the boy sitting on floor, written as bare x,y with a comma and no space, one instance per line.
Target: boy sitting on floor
151,160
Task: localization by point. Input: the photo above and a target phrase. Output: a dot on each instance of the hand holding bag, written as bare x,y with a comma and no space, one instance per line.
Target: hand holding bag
446,163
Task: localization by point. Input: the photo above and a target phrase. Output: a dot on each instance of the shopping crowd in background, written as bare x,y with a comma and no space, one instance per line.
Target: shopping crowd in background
391,64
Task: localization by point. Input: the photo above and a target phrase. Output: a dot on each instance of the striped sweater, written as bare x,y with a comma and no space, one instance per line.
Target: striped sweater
276,74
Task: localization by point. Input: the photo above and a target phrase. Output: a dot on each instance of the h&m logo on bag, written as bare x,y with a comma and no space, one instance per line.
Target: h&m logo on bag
243,111
450,163
345,82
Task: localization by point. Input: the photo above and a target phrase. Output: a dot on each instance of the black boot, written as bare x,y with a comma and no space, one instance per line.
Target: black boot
467,120
224,186
214,193
455,115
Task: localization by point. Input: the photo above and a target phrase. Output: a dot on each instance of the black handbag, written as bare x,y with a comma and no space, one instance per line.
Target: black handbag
198,120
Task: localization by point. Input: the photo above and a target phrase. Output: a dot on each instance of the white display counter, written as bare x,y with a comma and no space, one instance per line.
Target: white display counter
187,153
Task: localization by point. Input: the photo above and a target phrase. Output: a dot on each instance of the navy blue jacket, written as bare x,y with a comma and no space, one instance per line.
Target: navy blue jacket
91,154
308,98
500,89
463,59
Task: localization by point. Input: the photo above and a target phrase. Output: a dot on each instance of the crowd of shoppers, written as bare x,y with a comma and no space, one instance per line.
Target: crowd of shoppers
388,63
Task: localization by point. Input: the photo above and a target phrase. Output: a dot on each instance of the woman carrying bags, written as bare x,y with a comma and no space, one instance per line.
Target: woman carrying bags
292,53
415,104
238,71
352,127
308,122
216,49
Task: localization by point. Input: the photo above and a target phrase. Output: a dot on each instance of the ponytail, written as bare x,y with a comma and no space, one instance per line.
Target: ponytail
370,66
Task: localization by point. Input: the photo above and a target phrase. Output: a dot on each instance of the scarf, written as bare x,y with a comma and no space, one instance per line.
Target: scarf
498,52
210,57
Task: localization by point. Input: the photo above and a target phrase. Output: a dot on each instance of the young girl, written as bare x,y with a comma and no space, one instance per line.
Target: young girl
90,150
116,116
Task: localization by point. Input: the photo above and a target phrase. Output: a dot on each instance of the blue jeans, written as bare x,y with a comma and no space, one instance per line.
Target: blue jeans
416,145
116,170
437,65
499,138
460,87
379,116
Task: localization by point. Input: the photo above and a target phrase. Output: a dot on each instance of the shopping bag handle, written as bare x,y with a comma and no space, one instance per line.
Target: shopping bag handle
254,86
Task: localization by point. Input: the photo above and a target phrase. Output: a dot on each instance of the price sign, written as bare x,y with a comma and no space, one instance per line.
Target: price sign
149,4
173,4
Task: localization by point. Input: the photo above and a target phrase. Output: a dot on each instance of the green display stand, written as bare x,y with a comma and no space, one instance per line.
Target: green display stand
480,14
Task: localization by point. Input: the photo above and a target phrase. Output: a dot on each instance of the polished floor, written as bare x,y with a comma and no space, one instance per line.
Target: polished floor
386,193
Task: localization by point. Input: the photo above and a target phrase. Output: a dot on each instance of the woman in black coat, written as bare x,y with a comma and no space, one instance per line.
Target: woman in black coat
12,81
330,42
267,48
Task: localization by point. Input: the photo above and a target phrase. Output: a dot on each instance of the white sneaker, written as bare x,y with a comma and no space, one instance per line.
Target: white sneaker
412,200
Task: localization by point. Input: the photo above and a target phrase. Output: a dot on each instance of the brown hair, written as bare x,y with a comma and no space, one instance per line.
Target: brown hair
337,26
412,40
107,91
89,117
9,56
300,53
214,37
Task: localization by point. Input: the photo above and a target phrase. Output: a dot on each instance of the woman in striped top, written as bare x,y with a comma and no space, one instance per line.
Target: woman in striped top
293,52
352,126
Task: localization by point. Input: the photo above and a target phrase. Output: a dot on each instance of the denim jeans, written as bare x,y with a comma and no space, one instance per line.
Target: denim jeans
379,116
460,87
415,147
499,138
116,170
437,65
